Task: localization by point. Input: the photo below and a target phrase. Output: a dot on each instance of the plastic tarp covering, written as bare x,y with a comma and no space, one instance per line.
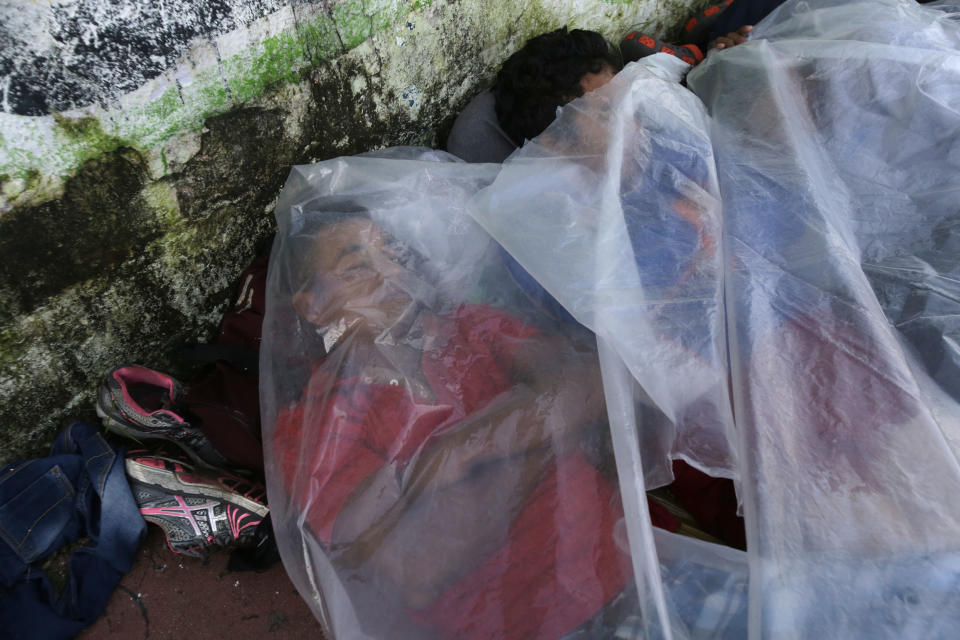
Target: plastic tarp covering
471,374
837,139
451,430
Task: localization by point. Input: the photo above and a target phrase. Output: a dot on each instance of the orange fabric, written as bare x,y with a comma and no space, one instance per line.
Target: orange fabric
695,50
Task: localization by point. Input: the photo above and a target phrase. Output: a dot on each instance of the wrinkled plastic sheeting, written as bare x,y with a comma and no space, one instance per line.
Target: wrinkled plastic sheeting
835,134
345,412
615,210
403,373
789,243
839,163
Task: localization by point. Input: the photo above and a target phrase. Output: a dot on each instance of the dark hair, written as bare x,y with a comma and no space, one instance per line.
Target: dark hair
545,74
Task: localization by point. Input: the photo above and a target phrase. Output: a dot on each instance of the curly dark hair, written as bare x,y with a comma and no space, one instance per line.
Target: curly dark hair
544,75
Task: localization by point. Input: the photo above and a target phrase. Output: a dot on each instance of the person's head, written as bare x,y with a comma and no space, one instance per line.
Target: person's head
350,276
549,71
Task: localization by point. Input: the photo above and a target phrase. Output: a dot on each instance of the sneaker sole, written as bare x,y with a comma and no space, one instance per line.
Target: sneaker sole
172,482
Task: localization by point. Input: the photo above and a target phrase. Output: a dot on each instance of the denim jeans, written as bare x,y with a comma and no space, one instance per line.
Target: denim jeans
79,491
740,13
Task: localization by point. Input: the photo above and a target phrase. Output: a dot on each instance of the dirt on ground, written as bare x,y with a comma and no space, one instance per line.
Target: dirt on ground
167,596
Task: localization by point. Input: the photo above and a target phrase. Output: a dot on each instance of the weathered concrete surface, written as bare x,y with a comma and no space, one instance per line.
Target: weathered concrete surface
126,213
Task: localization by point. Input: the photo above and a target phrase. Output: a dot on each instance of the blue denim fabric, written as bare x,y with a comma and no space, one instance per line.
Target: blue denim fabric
79,491
740,13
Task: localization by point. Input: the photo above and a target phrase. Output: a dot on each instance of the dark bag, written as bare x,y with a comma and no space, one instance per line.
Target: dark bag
225,399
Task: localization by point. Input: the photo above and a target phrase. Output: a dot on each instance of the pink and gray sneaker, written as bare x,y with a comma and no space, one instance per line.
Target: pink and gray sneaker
142,404
197,510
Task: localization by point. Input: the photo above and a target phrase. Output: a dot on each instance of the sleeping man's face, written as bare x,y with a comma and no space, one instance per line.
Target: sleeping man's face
355,269
586,132
592,81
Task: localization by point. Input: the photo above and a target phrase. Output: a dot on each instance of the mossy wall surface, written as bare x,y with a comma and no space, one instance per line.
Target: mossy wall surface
141,153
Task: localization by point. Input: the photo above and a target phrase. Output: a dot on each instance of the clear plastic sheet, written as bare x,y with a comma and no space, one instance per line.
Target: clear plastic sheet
615,210
764,270
838,170
444,470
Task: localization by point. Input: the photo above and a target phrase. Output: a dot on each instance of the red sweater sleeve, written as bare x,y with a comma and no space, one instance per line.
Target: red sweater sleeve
324,449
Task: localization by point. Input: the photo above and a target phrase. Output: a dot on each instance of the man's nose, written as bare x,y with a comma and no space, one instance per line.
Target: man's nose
326,289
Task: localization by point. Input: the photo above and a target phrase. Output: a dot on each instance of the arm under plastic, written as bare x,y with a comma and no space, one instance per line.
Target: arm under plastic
495,456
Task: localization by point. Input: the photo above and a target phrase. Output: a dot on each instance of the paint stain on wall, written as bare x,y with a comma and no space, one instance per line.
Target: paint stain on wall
64,55
412,97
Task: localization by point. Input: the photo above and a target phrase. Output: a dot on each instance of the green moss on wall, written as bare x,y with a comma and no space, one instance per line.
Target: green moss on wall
319,40
78,128
11,348
84,137
353,23
93,228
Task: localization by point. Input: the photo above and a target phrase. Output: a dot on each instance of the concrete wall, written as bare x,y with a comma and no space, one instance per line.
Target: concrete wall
142,145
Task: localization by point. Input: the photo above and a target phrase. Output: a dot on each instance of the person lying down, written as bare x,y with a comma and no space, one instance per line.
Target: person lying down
435,466
448,455
411,498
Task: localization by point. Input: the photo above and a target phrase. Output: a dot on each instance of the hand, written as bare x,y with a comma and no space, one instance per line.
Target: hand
733,38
